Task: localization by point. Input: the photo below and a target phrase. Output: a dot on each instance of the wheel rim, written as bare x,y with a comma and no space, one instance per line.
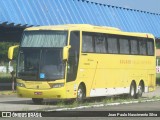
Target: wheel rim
132,90
140,90
80,94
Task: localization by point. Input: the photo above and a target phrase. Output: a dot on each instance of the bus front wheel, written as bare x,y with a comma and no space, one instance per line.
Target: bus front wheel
37,100
80,94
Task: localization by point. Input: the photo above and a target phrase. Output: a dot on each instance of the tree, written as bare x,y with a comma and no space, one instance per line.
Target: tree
4,46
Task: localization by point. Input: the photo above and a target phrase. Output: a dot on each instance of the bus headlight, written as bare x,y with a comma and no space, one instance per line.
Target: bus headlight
20,85
58,85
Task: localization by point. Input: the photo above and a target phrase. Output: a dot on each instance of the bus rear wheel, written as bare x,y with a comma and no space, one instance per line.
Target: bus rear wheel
80,94
132,93
140,91
37,100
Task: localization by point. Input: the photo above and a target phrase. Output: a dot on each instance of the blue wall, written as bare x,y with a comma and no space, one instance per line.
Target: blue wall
50,12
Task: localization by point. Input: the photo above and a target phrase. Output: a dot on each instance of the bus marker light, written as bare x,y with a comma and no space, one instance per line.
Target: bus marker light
147,35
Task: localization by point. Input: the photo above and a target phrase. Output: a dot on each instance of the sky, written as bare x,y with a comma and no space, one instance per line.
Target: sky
144,5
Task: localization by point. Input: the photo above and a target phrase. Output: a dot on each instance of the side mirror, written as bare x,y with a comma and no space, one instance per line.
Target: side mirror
11,51
66,52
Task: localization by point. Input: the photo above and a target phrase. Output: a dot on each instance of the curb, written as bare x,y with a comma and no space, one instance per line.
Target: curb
102,105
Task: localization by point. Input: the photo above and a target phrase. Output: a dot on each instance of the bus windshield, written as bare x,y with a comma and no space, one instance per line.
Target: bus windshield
42,61
44,39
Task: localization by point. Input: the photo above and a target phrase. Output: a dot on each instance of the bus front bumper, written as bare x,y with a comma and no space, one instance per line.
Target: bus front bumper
55,93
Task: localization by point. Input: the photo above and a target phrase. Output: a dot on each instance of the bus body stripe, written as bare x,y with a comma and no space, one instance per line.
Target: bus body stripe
108,91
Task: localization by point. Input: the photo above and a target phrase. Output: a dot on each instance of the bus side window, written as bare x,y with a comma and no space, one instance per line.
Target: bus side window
100,44
87,43
124,46
134,47
142,47
150,47
112,45
73,56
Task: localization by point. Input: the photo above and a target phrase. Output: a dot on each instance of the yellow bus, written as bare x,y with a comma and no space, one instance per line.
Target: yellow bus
81,61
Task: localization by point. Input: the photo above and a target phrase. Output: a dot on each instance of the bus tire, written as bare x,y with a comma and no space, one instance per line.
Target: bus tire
81,94
140,90
132,93
37,100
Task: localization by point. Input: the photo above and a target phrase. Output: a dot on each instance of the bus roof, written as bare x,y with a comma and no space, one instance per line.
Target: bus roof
90,28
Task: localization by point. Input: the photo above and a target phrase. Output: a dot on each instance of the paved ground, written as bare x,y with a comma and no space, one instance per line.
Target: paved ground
144,106
12,103
153,94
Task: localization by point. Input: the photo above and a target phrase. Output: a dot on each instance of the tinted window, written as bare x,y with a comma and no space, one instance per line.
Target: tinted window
124,46
100,45
134,47
112,45
73,60
142,47
87,43
116,44
45,38
150,47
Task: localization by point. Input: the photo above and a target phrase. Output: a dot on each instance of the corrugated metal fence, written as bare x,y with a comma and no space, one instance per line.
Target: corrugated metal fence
51,12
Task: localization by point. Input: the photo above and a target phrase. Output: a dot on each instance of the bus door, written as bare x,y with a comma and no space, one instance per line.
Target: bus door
72,64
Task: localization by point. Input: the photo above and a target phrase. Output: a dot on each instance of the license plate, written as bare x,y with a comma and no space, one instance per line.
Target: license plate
38,93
